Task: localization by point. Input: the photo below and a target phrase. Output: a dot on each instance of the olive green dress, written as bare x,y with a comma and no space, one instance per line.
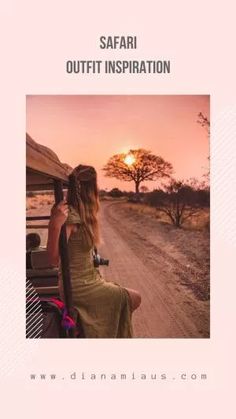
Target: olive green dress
103,307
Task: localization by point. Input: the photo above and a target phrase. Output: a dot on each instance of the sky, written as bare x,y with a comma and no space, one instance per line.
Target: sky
89,129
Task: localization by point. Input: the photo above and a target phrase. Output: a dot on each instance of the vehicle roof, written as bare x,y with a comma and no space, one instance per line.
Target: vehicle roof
43,167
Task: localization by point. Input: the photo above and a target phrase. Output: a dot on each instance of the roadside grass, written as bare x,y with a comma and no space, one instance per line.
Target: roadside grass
112,198
39,200
198,221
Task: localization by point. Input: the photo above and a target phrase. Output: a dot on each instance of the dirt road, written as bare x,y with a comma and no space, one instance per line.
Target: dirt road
168,267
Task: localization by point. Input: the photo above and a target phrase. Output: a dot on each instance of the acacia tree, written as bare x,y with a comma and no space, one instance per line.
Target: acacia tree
181,200
137,166
205,123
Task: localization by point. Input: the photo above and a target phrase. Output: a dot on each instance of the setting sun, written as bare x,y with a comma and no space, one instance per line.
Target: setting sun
129,159
130,121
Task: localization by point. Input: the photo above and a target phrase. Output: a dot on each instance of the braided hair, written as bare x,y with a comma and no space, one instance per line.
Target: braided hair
83,196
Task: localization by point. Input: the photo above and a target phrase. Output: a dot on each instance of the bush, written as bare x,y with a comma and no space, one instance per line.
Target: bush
115,193
154,198
102,193
179,201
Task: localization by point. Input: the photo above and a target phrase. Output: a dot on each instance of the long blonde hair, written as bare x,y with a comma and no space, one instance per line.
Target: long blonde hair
83,196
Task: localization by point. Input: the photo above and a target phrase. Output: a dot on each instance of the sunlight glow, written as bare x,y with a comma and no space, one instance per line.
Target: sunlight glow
129,159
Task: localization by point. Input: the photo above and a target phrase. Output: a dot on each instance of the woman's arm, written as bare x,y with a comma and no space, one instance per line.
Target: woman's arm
58,217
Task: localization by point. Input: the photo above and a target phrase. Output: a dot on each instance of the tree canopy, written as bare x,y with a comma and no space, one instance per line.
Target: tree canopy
137,166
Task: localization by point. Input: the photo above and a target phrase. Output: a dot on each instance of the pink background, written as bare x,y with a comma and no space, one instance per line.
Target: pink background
37,38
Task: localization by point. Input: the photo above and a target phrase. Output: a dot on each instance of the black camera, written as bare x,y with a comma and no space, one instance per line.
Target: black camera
98,260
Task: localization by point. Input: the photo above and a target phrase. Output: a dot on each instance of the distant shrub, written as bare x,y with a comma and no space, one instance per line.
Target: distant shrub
154,198
102,193
179,201
115,193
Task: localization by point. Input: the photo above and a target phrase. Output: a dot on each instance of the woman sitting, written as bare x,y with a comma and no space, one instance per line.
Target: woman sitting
104,308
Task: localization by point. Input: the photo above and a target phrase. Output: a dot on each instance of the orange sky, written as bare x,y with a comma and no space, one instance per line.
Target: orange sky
90,129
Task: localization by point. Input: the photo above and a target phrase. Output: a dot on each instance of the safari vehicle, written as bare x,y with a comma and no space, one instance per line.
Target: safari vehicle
45,172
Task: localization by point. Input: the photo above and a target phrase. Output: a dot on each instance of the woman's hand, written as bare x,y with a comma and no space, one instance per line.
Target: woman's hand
59,214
